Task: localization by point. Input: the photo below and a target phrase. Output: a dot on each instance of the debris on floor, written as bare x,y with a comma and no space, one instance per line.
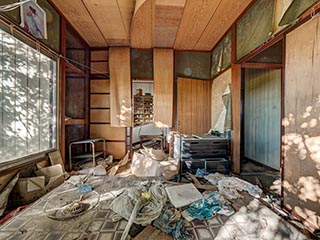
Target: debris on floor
170,222
124,204
124,161
151,233
139,207
144,166
210,205
183,195
231,186
169,168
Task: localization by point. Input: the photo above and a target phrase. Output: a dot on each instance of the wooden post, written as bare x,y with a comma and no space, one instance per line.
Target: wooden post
236,117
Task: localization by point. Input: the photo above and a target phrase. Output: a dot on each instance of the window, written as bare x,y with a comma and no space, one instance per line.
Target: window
27,100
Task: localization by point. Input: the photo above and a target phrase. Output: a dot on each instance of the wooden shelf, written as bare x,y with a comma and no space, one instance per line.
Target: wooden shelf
71,68
75,121
142,110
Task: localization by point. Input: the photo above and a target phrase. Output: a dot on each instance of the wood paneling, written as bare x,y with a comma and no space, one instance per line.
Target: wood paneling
301,142
79,17
110,23
197,14
236,118
167,18
100,86
99,55
100,115
226,13
163,87
120,86
99,101
142,24
99,68
75,97
194,106
262,116
107,132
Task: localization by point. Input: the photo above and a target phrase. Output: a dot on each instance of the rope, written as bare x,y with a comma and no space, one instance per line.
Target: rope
12,6
124,204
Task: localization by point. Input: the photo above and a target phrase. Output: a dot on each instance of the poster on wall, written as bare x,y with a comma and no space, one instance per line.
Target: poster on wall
33,19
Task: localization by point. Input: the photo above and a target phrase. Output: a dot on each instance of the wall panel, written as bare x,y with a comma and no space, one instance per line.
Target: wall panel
163,87
120,87
301,142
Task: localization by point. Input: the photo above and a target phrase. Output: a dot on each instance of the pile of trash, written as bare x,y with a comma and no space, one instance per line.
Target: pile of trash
147,162
168,206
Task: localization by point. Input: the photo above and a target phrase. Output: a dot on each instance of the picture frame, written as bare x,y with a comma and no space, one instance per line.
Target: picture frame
33,19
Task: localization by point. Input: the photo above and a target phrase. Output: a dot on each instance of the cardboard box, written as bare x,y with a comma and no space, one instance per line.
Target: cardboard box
30,189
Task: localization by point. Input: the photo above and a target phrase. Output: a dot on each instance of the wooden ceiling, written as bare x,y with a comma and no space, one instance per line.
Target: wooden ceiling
178,24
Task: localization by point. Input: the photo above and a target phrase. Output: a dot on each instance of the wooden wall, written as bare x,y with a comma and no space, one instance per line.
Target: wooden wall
194,106
100,106
163,87
120,87
262,116
301,140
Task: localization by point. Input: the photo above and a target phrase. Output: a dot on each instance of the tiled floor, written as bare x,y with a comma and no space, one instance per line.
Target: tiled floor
252,220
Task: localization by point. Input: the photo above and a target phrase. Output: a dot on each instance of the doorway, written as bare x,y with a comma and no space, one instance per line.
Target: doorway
262,116
261,90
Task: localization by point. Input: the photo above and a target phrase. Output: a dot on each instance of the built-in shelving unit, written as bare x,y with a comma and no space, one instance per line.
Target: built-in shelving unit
142,110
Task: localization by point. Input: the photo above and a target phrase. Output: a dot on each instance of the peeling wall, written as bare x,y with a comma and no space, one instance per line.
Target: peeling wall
219,86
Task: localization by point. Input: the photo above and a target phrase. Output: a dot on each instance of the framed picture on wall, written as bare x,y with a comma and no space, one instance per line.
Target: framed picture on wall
33,19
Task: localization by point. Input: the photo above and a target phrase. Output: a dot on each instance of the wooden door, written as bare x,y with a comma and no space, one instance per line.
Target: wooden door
193,106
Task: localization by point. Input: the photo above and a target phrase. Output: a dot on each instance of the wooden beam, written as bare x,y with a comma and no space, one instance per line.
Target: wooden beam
163,87
236,117
120,87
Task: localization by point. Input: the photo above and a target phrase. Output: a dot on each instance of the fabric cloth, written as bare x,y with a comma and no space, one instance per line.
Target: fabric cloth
170,222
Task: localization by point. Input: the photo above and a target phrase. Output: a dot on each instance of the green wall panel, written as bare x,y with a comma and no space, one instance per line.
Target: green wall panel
192,64
221,55
141,62
255,27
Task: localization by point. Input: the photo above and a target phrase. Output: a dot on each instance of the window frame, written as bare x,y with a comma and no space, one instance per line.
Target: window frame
33,158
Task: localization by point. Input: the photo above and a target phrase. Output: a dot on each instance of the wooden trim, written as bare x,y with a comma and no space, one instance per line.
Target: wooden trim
220,73
293,213
233,43
62,89
282,157
236,118
75,121
107,108
261,65
22,166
